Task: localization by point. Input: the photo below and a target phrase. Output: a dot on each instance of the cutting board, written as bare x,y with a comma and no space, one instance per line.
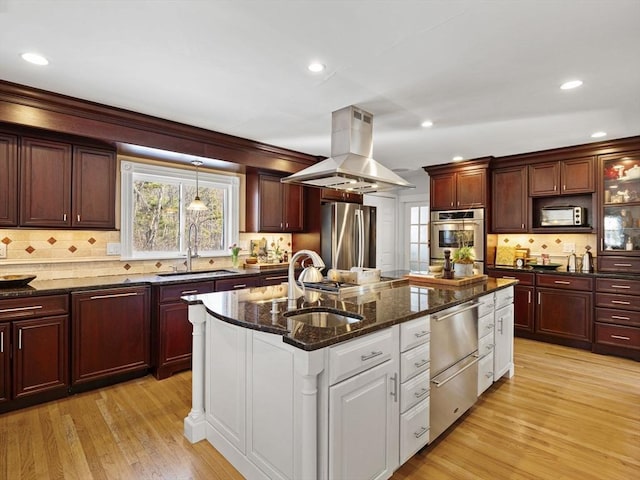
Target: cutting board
455,282
505,255
266,266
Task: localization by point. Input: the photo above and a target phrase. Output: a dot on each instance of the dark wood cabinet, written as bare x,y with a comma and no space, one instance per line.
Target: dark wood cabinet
524,298
333,195
8,180
171,331
565,177
5,363
248,281
110,333
45,183
66,186
34,353
458,186
273,206
275,278
509,200
564,309
94,188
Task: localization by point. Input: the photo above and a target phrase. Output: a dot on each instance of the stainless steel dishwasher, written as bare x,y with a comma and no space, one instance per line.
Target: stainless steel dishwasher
454,365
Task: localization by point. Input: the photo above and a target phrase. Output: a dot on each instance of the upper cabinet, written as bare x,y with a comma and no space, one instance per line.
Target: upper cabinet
8,180
62,185
273,206
458,186
564,177
509,200
333,195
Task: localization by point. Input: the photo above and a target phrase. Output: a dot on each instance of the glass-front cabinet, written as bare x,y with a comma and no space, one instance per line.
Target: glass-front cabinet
621,204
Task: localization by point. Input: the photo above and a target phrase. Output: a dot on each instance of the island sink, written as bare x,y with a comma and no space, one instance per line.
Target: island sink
323,318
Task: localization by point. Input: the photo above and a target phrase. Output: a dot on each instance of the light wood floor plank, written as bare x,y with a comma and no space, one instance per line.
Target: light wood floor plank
567,414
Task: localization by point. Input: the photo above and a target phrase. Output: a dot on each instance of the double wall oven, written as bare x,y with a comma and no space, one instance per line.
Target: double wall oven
448,227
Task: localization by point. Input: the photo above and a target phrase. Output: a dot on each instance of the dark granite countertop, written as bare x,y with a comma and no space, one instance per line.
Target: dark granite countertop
263,309
562,270
50,287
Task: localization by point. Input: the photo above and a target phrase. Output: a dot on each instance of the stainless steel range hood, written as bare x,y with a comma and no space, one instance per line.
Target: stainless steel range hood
350,166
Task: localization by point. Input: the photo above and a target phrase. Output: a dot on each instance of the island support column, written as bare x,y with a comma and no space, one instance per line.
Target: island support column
195,422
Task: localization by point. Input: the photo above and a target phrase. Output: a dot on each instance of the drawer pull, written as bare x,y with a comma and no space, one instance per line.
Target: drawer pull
21,309
622,265
114,295
620,286
489,347
620,337
188,292
421,393
282,277
489,374
394,393
562,282
364,358
619,317
468,306
508,277
620,302
421,364
421,432
241,285
490,326
421,334
1,342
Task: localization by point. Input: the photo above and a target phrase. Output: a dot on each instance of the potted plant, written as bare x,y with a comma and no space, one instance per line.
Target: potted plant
463,257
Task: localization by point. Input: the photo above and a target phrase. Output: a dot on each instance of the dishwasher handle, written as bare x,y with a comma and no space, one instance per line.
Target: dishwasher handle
441,383
469,306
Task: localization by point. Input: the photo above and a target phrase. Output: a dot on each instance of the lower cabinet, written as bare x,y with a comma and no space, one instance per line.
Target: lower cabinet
110,333
171,332
486,342
503,334
34,359
237,283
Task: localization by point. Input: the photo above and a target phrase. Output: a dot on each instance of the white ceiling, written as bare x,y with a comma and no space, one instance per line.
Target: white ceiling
487,73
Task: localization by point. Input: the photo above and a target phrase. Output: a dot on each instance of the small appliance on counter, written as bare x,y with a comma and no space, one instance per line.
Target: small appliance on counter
587,261
563,216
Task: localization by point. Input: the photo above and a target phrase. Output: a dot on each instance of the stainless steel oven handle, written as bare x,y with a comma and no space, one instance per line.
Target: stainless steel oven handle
439,384
469,307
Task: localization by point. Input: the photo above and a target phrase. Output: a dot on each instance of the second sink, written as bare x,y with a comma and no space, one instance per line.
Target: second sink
323,318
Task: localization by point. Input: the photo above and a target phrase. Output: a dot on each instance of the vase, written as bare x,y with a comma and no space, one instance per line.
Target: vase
463,269
234,261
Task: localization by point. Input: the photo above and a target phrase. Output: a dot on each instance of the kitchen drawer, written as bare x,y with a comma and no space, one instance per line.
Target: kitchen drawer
414,390
485,373
504,297
612,300
414,333
414,361
618,264
31,307
615,285
486,306
485,326
414,430
237,283
618,335
486,345
565,281
620,317
524,278
274,278
355,356
172,293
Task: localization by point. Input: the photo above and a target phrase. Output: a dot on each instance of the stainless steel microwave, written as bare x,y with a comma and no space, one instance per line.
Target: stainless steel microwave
567,216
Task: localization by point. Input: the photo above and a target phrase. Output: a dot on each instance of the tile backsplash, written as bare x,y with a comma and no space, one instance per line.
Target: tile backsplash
552,244
54,254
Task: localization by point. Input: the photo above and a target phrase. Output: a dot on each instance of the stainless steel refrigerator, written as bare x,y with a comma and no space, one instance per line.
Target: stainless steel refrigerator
348,235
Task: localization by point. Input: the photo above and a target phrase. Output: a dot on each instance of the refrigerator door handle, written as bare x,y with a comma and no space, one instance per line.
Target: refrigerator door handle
360,233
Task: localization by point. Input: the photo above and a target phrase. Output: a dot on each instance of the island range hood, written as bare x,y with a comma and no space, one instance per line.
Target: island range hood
350,166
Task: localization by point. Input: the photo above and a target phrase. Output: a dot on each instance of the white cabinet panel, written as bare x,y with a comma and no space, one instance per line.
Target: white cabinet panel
414,362
350,358
485,373
413,391
504,342
414,333
414,430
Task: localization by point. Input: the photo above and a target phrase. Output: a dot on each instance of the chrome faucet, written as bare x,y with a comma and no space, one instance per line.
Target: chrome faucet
192,251
293,290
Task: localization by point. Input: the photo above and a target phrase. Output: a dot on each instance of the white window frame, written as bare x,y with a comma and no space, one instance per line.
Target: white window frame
130,171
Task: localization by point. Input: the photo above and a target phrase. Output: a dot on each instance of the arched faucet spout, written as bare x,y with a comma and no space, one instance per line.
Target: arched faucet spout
294,291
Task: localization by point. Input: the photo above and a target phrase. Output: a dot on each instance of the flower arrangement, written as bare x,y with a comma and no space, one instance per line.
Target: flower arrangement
464,253
235,250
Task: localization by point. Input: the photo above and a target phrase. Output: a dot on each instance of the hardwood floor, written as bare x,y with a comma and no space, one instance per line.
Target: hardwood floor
567,414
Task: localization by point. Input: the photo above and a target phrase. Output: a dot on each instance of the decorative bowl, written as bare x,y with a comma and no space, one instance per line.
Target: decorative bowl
435,268
15,281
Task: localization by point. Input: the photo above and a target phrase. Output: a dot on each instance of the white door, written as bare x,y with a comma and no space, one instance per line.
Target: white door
503,353
417,236
364,425
386,231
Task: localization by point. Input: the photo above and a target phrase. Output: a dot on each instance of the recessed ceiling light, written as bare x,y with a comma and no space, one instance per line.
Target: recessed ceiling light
427,124
35,58
571,84
598,134
457,158
316,67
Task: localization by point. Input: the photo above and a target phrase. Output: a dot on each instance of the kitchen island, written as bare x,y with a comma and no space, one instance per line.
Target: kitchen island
286,399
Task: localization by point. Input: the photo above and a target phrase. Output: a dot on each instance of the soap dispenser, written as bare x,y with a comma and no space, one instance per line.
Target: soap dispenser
571,264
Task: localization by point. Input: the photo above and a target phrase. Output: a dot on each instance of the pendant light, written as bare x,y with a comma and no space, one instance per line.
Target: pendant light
197,204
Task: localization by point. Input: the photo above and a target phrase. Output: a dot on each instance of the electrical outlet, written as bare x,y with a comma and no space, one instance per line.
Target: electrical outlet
113,248
568,247
3,250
